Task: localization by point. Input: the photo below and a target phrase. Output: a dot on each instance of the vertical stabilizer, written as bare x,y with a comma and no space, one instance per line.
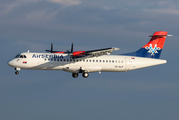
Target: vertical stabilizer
153,48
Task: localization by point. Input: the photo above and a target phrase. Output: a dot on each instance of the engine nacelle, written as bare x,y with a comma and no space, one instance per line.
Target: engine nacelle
78,53
61,52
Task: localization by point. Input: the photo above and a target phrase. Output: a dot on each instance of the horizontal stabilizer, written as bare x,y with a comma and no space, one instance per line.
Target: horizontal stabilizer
160,35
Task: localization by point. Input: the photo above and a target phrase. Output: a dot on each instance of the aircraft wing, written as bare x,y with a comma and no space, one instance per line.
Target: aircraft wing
92,53
85,54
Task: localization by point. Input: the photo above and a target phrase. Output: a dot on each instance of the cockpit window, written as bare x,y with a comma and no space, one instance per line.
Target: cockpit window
17,56
20,56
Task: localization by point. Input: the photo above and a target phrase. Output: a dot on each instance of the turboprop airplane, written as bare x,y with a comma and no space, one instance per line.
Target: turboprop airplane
86,62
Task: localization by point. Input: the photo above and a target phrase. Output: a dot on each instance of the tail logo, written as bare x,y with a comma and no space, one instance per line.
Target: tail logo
152,50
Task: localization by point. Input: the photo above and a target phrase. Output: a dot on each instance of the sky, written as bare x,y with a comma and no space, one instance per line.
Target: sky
150,93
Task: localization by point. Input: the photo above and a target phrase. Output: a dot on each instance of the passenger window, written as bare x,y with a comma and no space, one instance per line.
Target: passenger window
103,60
109,60
93,60
99,60
90,60
106,60
113,61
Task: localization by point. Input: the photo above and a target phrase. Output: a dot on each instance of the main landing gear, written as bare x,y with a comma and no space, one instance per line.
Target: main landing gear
84,74
17,71
75,75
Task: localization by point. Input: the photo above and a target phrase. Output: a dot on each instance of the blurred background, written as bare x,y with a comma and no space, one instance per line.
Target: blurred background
151,93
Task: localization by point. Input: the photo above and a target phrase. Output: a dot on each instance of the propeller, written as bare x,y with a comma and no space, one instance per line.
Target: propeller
70,52
51,50
71,49
51,47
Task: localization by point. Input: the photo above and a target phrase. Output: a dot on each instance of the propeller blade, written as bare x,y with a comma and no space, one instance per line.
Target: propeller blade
51,47
68,51
51,50
72,48
48,50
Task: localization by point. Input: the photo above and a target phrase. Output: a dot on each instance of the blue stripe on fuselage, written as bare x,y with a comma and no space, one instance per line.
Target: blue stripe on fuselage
145,53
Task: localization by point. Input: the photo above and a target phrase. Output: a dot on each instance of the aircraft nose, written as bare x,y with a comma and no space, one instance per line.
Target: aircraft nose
10,63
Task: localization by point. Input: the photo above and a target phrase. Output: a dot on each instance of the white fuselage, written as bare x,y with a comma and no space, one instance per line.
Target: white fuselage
108,63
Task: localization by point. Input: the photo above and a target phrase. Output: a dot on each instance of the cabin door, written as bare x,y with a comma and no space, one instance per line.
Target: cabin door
127,63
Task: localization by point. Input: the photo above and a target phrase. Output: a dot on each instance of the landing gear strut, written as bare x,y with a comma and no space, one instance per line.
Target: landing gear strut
75,75
17,71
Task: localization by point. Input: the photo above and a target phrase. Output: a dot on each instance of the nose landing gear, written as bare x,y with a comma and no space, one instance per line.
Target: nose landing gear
17,71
